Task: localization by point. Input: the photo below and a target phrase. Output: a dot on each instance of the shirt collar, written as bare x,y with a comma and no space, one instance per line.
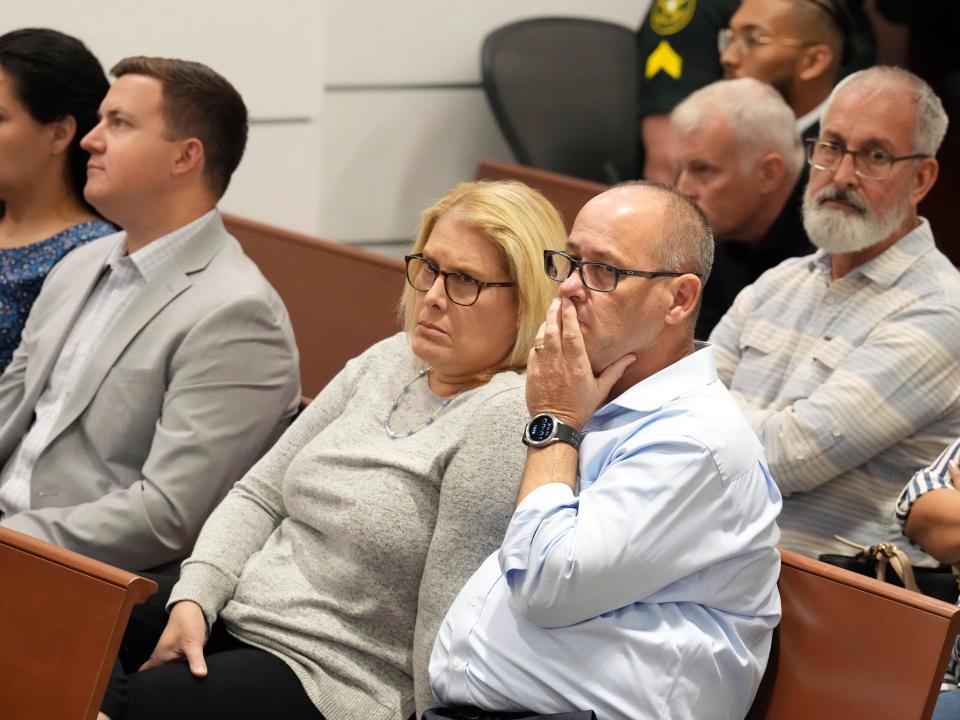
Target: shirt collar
887,267
808,119
694,370
150,260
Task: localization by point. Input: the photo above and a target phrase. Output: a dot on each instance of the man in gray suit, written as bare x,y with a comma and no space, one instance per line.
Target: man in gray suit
157,364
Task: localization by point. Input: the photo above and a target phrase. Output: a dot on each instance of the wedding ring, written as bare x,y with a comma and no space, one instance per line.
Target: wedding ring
538,348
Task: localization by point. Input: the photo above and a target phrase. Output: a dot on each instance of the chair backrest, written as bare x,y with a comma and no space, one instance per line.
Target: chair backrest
568,194
62,616
341,300
564,91
849,646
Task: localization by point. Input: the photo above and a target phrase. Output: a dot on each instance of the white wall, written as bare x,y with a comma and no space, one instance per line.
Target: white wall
362,111
269,51
405,117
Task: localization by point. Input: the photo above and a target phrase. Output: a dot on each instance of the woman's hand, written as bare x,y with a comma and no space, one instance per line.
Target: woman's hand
182,638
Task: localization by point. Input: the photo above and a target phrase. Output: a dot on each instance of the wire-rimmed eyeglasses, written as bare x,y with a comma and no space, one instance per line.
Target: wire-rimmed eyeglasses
868,163
461,288
594,275
749,39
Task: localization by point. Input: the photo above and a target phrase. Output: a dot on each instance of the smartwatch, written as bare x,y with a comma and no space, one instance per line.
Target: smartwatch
545,429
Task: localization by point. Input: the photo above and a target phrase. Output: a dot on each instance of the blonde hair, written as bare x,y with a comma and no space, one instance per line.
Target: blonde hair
522,223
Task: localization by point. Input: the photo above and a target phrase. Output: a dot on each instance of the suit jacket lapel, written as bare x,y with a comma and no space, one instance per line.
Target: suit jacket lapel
176,276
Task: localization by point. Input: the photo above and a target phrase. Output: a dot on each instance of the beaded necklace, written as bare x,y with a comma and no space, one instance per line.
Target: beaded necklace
396,403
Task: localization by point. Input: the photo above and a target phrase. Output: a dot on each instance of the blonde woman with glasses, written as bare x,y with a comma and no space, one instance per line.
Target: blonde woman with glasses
316,588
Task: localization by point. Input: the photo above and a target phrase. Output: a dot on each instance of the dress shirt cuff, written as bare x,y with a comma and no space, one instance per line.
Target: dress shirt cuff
205,585
515,549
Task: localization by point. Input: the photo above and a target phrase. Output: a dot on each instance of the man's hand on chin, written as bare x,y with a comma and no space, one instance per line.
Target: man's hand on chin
560,379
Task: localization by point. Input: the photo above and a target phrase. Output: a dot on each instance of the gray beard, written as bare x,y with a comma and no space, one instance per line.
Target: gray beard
837,231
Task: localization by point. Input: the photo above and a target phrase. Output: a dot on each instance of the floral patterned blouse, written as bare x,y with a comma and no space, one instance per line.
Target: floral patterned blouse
22,272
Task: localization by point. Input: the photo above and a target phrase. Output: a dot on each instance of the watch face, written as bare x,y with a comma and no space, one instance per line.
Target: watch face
541,427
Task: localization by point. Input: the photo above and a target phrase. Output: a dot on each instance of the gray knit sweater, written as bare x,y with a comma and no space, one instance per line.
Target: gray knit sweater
317,554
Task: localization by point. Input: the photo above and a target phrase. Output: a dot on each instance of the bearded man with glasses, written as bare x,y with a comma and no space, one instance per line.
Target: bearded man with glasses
845,361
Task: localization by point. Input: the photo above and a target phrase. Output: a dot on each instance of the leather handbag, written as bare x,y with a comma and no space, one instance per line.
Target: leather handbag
888,563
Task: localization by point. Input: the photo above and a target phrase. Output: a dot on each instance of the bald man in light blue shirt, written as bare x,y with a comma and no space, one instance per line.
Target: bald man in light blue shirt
637,577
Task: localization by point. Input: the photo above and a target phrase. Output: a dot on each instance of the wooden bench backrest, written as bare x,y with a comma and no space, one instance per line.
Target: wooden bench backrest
341,300
849,647
568,194
62,616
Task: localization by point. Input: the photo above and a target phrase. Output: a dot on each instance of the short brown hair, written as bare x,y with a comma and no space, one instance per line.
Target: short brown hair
200,103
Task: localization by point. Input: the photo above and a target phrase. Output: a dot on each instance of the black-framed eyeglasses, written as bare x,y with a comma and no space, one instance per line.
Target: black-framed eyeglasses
594,275
461,288
868,163
749,39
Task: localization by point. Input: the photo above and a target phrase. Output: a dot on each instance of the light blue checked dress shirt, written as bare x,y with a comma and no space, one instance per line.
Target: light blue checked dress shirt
652,592
851,385
934,477
124,276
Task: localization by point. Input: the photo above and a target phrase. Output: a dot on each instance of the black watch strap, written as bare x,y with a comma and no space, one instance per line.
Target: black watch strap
566,433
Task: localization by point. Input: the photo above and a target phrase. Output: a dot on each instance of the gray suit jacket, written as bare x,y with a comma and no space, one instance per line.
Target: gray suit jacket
190,386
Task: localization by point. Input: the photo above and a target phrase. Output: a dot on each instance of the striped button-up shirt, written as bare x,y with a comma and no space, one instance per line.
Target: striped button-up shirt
124,277
935,476
852,384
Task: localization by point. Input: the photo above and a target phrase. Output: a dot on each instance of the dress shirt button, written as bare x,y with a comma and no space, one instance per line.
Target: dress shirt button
837,432
799,456
475,601
459,663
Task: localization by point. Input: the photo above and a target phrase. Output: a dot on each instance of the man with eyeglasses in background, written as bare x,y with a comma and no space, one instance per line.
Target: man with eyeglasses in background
637,577
797,46
845,361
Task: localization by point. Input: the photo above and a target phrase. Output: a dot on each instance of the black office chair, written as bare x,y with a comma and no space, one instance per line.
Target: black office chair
564,91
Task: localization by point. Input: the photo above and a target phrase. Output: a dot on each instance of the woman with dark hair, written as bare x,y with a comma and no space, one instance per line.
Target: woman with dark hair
51,86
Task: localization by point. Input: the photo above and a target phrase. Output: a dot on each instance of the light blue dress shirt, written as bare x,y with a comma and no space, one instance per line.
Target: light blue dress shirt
650,594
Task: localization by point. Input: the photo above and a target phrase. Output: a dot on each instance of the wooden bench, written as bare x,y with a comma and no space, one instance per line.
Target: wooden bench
341,300
851,647
62,616
568,194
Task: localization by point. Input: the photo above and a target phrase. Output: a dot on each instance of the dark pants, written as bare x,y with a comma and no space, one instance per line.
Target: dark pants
472,713
242,681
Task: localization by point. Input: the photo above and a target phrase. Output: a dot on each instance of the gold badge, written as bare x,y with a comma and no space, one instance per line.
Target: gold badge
668,17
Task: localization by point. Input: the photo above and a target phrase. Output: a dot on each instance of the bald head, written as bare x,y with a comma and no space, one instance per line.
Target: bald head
684,242
665,241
